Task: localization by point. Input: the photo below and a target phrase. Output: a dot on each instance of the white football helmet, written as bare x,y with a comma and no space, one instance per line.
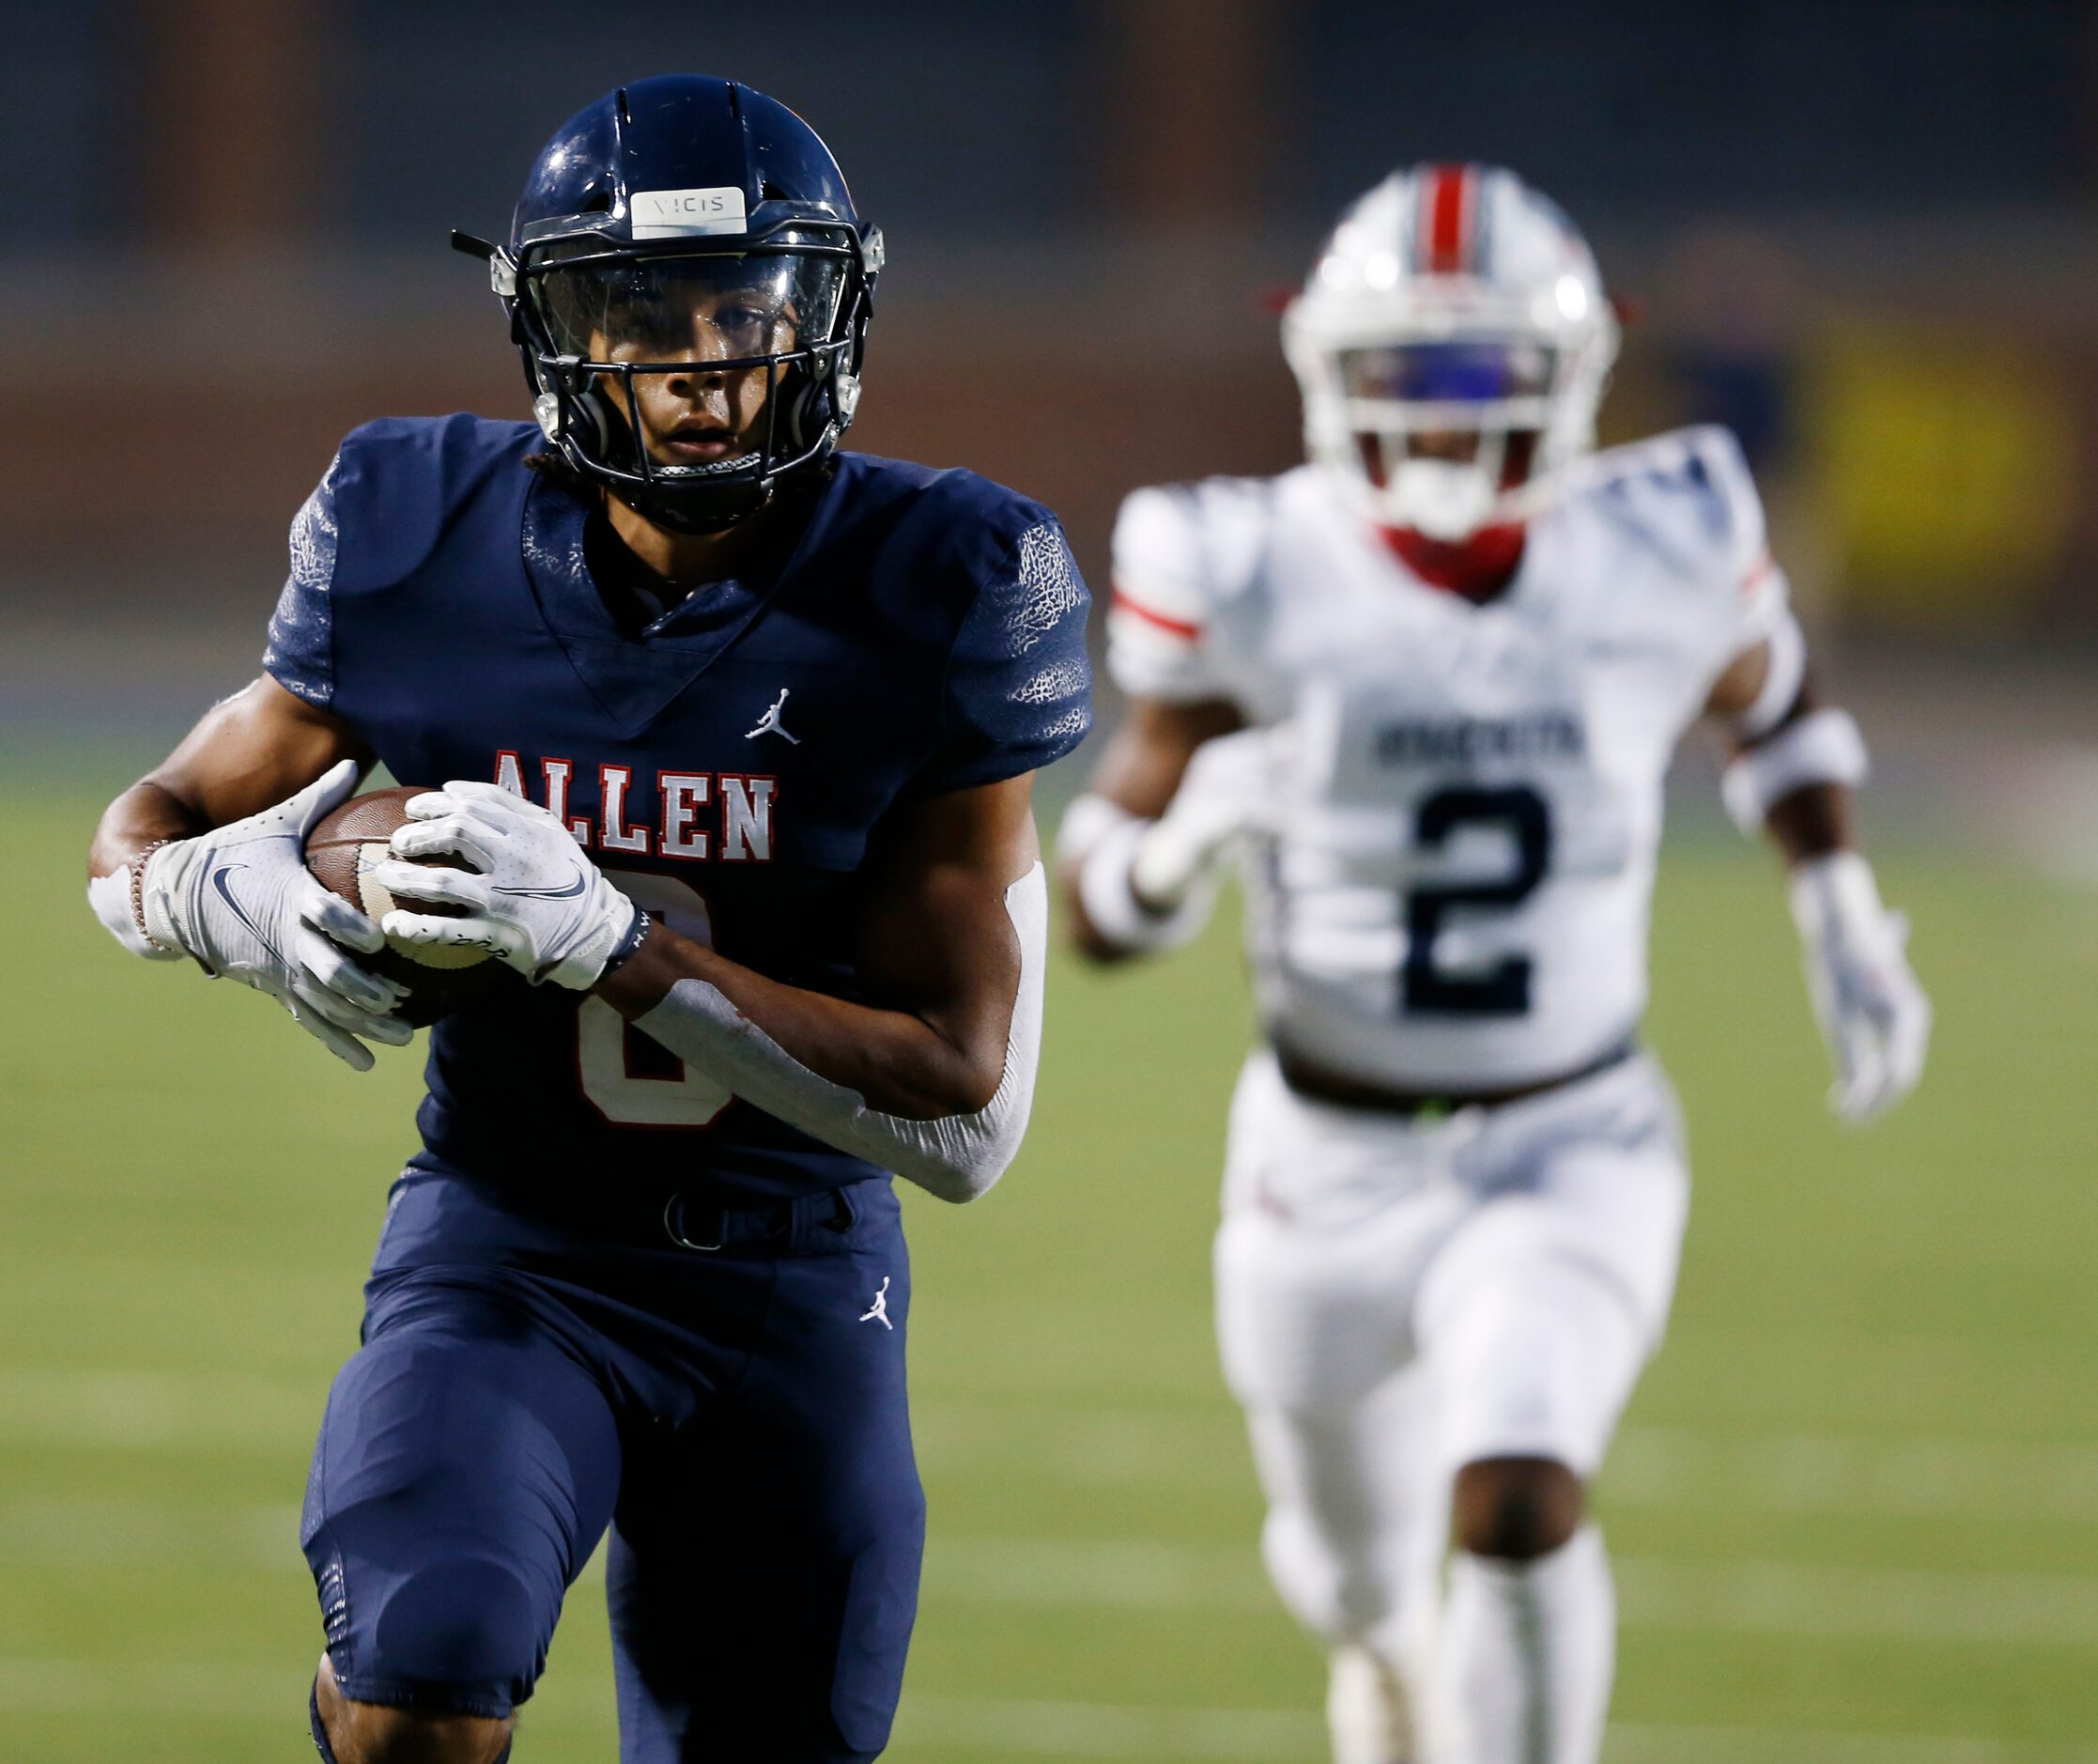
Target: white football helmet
1451,300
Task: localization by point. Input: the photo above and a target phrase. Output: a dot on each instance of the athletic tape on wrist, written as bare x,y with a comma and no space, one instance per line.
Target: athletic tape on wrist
1827,747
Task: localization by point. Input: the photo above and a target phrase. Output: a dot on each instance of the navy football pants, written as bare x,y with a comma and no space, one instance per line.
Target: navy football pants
737,1419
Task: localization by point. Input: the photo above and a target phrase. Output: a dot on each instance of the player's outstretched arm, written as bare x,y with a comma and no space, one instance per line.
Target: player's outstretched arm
1796,766
1142,850
929,1074
204,858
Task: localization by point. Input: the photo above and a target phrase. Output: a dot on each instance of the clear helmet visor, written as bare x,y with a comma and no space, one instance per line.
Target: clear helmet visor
691,310
1455,374
696,365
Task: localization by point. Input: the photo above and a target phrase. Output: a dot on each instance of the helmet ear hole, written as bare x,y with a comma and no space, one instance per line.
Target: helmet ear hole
590,406
800,394
589,421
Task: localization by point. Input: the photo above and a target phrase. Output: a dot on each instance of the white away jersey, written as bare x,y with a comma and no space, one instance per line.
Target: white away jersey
1467,800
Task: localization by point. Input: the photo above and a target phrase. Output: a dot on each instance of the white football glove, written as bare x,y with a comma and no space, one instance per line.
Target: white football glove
241,900
1225,795
1873,1013
532,897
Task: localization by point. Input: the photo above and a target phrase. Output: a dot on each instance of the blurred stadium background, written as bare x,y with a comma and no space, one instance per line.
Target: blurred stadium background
1857,1500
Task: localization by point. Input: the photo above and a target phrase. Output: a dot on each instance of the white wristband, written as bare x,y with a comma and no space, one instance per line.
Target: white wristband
1106,889
1827,747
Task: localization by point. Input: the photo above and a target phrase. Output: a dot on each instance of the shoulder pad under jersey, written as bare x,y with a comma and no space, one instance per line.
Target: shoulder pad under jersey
373,517
1184,556
1017,683
1688,499
398,480
1687,495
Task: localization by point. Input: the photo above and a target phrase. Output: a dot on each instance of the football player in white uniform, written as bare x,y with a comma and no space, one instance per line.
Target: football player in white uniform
1428,685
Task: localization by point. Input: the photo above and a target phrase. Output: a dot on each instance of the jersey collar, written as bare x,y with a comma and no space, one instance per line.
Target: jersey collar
636,675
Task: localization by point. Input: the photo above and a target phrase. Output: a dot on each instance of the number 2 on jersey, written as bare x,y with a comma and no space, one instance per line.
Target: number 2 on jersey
1503,989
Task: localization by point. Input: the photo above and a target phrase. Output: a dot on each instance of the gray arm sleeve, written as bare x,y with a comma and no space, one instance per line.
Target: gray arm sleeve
957,1157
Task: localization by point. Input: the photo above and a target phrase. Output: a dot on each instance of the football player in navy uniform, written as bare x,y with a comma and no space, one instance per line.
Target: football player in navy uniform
739,730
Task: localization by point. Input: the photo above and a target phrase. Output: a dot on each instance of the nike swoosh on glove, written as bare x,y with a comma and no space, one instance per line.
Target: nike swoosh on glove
241,900
531,896
1873,1012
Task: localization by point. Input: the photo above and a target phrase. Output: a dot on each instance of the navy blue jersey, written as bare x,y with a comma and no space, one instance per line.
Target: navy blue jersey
726,762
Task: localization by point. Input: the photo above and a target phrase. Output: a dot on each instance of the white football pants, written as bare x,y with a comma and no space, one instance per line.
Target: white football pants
1395,1300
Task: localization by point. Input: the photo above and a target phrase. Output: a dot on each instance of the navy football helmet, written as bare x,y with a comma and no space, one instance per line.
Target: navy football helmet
686,223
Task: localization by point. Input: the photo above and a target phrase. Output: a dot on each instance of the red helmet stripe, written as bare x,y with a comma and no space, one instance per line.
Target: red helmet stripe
1123,601
1448,216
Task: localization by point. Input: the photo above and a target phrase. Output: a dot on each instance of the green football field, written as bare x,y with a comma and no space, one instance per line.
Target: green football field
1854,1507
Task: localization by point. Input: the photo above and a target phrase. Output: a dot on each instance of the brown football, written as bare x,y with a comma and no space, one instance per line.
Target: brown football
342,851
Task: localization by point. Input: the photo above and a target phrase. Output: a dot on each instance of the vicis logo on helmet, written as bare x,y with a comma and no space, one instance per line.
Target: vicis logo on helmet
678,213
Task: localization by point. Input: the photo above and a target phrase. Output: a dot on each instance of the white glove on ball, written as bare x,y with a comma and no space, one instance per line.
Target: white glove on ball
532,897
1227,793
1873,1013
241,900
